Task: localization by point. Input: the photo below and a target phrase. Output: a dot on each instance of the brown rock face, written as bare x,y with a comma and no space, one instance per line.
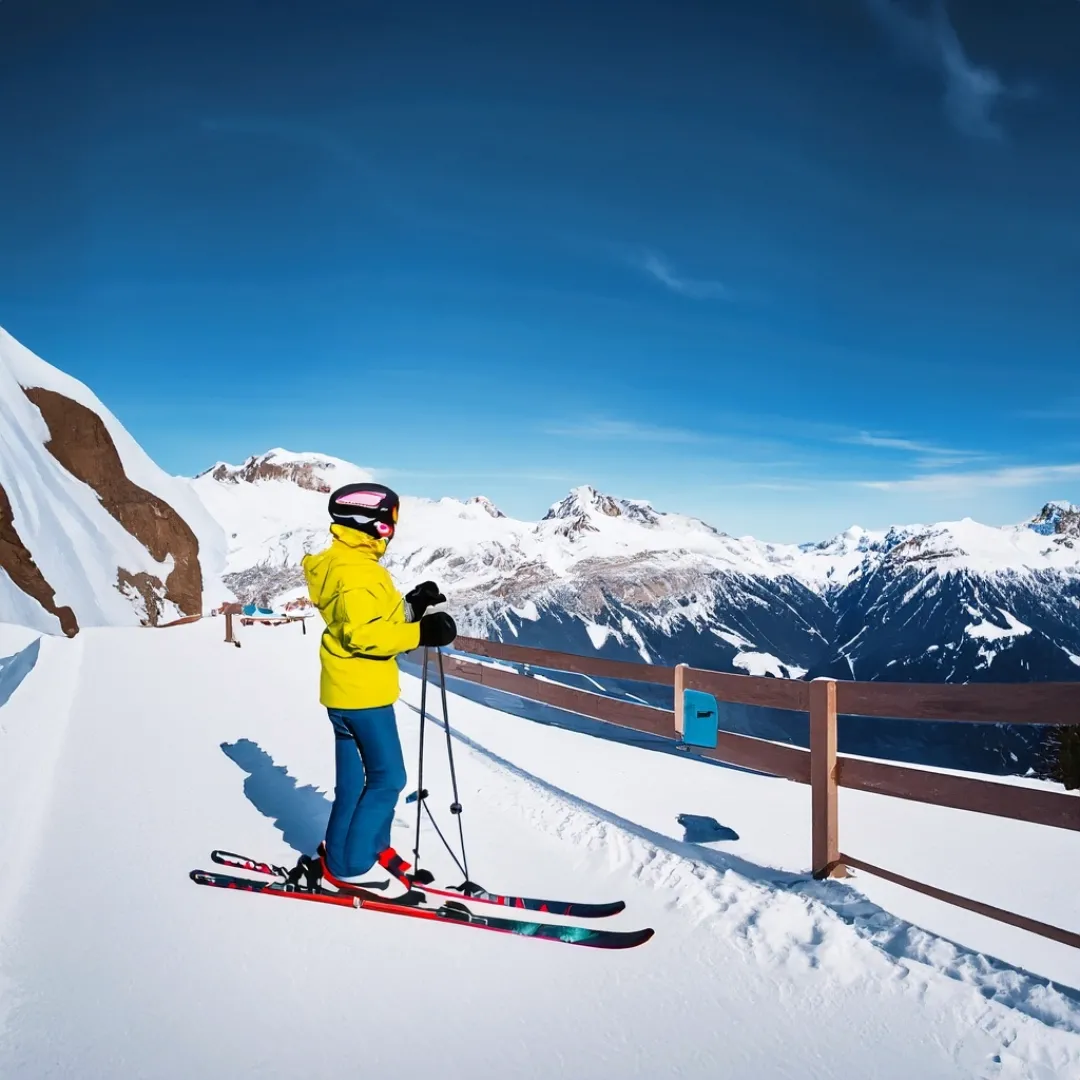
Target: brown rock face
81,443
148,588
21,568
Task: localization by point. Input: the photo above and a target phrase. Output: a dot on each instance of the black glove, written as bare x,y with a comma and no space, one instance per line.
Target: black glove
421,598
437,629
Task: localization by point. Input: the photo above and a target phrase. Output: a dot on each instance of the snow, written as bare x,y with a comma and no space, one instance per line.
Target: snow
273,521
758,663
599,634
763,663
631,631
989,631
755,971
75,543
19,367
528,611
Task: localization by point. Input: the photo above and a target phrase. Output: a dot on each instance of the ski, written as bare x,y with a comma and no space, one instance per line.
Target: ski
468,891
475,893
451,912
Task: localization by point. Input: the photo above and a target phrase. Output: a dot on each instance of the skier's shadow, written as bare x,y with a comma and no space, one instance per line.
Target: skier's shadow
300,812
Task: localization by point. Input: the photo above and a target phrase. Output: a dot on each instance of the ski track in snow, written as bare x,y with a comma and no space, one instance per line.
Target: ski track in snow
32,735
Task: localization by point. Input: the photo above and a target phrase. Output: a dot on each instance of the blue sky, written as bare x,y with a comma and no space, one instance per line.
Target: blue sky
783,265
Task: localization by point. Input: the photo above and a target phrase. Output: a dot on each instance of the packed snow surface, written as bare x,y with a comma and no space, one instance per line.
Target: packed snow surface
127,754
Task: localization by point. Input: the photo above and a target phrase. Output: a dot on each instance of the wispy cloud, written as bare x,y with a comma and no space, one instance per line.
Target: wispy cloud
1065,409
971,92
604,430
929,456
1016,476
766,485
658,268
482,474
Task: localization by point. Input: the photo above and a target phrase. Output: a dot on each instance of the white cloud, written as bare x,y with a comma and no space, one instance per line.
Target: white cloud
629,430
971,92
656,266
1015,476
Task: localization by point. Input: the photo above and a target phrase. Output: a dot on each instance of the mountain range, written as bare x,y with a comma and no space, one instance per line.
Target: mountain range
92,532
956,601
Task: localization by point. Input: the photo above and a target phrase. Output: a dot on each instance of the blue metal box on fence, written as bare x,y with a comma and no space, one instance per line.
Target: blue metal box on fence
700,718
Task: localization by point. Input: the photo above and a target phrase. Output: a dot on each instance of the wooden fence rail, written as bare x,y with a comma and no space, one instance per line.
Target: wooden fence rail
822,767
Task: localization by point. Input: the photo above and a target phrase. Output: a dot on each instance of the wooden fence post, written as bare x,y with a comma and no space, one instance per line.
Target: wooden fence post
823,780
229,610
680,679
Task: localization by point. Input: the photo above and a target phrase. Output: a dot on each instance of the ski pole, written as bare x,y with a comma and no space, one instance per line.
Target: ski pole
455,806
421,794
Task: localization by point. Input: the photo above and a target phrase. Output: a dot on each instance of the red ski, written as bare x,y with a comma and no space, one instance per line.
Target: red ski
469,891
451,912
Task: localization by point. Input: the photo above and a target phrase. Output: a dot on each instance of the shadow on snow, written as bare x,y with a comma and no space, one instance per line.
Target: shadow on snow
15,668
300,812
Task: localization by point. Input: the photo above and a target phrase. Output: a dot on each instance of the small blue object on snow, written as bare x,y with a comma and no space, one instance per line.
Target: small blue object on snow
701,718
249,609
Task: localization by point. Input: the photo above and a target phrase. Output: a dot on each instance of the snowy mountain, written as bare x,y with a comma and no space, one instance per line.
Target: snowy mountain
966,602
92,532
273,506
953,601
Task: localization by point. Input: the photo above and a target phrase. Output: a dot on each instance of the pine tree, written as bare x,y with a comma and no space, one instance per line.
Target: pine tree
1064,748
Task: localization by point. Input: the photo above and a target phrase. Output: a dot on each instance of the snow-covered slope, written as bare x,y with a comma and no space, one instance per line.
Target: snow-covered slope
619,577
92,532
124,968
273,507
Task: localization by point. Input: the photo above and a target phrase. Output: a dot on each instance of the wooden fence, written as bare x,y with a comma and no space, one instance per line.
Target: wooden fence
822,767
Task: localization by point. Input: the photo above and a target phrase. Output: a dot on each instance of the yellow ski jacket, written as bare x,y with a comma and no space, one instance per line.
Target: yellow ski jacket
365,622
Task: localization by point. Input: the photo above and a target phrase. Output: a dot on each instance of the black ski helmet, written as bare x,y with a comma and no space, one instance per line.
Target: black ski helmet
369,508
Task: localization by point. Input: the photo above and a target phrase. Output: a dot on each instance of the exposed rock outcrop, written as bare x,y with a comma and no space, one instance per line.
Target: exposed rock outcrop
304,474
80,442
486,505
21,568
147,588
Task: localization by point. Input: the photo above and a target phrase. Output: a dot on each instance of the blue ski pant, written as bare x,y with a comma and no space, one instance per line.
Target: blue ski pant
370,777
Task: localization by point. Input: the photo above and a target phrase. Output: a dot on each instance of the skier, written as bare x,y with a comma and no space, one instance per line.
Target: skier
368,623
